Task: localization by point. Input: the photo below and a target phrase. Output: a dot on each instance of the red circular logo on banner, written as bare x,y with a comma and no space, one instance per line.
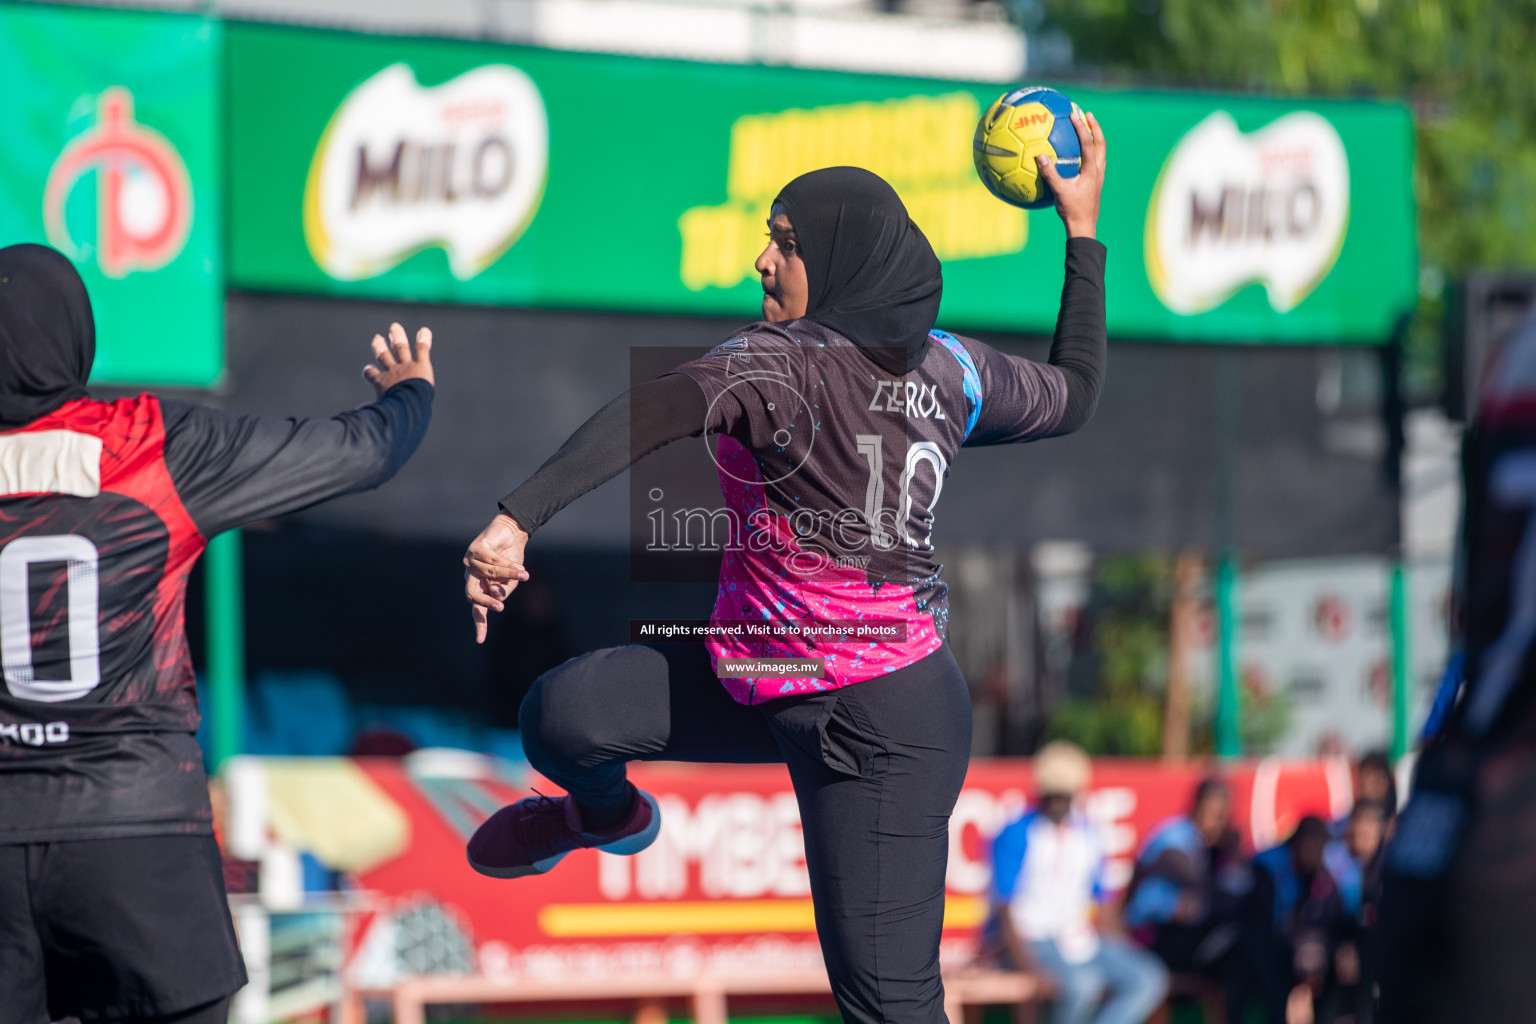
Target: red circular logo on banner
1331,618
143,196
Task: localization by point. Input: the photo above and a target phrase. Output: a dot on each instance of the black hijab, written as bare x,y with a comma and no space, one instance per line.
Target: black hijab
873,276
47,333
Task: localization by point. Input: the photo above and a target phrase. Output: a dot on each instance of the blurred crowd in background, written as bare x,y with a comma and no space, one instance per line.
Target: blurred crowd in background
1291,928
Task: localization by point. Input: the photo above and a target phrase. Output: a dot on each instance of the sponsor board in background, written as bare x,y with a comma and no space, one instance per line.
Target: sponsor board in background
1227,219
725,884
1230,209
112,157
917,143
400,168
1315,635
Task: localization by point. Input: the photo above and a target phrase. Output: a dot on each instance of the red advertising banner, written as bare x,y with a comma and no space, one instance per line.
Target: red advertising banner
725,887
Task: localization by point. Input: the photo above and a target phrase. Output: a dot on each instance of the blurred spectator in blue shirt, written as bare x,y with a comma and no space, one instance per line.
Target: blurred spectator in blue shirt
1354,862
1185,900
1353,859
1294,917
1048,876
1375,783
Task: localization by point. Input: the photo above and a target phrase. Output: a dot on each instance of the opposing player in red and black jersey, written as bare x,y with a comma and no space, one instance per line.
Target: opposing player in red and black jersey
112,900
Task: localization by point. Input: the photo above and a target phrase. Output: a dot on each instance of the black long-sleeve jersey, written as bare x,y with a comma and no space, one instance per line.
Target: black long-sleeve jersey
104,508
674,406
830,469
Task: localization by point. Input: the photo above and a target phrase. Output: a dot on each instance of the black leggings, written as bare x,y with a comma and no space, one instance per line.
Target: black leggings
876,768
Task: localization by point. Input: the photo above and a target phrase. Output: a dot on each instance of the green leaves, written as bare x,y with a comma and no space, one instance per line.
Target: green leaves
1129,608
1464,67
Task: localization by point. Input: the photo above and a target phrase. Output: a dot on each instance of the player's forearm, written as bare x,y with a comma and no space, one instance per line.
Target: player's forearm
231,469
1081,343
353,451
407,408
631,426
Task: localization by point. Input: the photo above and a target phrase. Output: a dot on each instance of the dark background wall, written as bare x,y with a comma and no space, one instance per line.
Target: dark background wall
514,383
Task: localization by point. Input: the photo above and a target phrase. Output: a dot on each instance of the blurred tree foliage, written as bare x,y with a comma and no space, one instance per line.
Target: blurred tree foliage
1464,66
1115,701
1266,718
1116,707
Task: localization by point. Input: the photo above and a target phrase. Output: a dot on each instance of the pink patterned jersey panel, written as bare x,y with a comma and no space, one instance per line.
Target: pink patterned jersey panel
830,469
759,584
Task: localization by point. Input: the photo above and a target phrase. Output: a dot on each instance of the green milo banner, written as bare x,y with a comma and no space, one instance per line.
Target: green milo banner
465,172
112,155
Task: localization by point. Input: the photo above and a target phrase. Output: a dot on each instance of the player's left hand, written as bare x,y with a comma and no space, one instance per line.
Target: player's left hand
1077,198
493,567
393,361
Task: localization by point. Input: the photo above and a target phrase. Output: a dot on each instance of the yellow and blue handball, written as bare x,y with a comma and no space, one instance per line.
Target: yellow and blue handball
1019,126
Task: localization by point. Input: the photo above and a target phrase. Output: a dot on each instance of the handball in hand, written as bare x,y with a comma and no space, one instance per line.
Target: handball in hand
1019,126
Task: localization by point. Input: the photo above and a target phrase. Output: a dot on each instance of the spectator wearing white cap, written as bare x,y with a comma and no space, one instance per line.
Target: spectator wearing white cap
1047,881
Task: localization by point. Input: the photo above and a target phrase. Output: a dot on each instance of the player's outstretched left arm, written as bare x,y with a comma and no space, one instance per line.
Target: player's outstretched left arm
636,423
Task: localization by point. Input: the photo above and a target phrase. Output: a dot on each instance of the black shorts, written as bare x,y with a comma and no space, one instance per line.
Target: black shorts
107,929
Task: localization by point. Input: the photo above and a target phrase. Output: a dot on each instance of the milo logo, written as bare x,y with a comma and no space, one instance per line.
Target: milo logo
402,167
1230,209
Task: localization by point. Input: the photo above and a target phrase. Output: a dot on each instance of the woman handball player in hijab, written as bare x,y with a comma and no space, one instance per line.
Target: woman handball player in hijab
836,420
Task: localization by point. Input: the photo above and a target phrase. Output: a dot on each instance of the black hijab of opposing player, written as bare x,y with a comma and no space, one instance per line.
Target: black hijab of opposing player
47,333
873,277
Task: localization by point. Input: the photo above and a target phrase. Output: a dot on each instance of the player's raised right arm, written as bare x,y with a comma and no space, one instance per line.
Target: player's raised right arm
230,469
1022,400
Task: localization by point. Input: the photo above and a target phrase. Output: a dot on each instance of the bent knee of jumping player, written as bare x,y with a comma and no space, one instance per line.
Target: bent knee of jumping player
574,723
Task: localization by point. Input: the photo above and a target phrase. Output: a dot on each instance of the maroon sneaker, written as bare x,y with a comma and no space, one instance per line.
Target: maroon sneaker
534,834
